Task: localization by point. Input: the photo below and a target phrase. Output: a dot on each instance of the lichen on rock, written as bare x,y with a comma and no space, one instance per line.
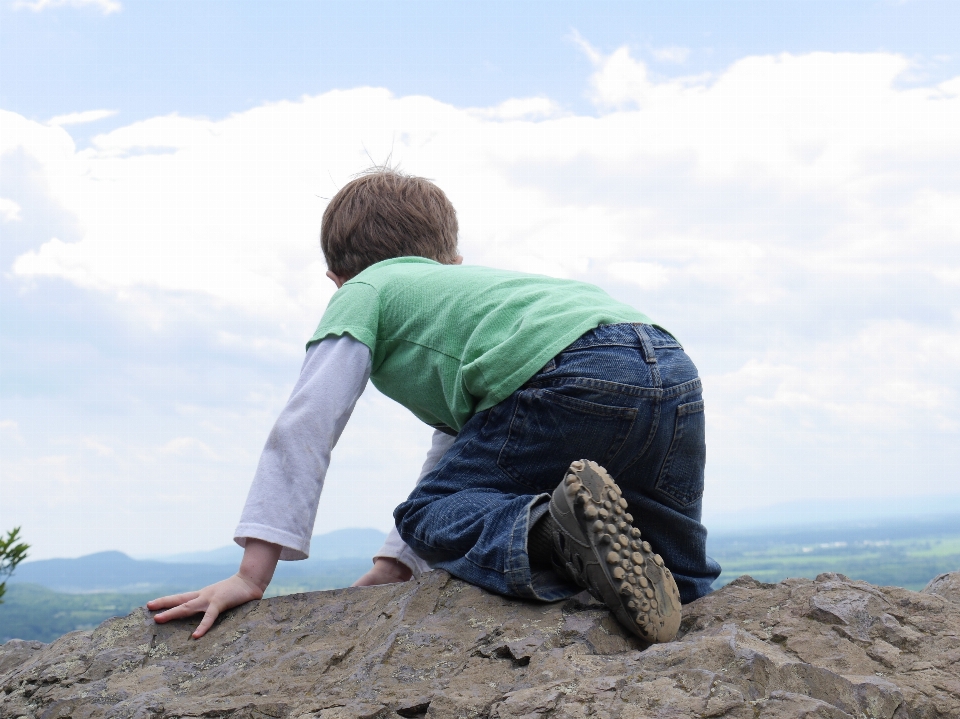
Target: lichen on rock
830,647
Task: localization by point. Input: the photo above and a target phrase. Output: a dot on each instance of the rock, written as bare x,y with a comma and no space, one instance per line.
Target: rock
830,648
946,586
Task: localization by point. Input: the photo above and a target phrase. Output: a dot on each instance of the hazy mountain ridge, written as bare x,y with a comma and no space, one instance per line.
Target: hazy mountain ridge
798,550
334,553
341,544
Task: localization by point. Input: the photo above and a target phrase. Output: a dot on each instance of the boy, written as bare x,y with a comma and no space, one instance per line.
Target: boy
529,383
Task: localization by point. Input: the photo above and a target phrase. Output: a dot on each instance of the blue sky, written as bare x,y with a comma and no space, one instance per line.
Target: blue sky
773,181
213,58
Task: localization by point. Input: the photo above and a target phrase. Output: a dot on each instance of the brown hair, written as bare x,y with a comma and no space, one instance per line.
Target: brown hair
384,214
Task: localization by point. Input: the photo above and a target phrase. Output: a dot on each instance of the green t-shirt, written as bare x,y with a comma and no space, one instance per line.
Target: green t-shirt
448,341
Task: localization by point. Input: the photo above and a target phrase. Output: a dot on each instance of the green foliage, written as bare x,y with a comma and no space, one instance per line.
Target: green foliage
12,552
35,612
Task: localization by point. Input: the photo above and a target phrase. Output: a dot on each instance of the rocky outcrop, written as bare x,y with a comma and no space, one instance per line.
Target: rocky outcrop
829,648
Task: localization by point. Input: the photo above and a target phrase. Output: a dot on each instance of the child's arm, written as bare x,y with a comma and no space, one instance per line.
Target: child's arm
281,505
277,520
395,561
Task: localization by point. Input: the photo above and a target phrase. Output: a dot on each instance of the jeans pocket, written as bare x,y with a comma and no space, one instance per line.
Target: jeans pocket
681,476
548,430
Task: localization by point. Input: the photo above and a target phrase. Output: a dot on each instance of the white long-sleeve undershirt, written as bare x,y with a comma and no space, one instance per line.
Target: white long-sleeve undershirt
281,506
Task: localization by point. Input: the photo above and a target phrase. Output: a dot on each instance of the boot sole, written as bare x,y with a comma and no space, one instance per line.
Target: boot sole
605,553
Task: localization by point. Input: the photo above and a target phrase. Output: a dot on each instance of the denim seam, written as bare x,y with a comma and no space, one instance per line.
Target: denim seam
582,405
518,573
682,389
466,558
675,441
517,570
506,443
629,340
649,354
628,390
651,435
673,342
593,344
690,408
622,441
655,372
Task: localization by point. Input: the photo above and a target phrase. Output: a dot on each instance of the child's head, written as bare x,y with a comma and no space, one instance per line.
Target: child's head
384,214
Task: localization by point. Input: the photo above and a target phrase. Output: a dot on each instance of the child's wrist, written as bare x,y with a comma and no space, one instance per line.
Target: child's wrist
259,563
256,587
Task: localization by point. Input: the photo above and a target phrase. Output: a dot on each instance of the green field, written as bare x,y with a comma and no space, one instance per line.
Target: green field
33,612
30,611
903,561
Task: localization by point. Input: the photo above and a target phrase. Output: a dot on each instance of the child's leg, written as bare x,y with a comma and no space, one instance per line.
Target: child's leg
625,396
471,519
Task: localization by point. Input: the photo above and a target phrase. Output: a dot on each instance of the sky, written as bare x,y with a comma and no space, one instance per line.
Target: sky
777,183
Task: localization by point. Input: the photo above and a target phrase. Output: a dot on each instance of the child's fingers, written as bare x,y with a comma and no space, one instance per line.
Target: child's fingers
172,600
209,617
186,609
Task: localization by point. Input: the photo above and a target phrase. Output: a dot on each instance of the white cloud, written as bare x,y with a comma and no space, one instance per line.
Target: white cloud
186,446
647,275
862,381
9,210
672,54
792,219
53,151
524,108
78,118
105,6
619,79
230,209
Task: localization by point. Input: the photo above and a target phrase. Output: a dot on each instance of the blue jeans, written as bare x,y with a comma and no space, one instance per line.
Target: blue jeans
626,396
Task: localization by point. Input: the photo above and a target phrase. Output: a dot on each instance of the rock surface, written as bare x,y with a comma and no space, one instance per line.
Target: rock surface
828,648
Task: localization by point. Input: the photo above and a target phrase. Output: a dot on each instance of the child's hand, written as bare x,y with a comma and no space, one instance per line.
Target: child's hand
256,571
210,600
386,570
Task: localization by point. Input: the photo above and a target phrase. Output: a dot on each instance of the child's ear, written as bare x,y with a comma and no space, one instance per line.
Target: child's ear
458,260
337,279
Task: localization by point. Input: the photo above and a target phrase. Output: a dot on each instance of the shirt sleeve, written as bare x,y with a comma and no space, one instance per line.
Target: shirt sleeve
353,310
282,503
393,546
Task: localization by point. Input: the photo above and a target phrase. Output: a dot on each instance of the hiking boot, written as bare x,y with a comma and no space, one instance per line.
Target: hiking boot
601,551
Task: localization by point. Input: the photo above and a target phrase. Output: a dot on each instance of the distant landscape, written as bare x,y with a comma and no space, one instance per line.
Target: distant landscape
48,598
905,553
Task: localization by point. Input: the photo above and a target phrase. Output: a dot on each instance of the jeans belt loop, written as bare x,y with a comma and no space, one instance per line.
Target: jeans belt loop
645,345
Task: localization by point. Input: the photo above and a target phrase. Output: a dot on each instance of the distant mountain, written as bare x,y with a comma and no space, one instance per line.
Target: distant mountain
115,572
340,555
341,544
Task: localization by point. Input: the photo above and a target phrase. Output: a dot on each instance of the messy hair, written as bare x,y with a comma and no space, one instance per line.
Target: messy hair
382,214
